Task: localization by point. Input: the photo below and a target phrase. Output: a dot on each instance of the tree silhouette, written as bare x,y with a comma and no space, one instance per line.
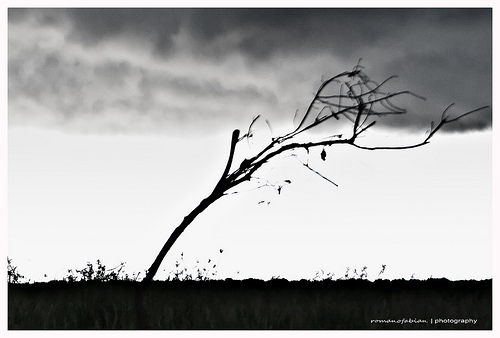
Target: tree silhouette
353,97
350,101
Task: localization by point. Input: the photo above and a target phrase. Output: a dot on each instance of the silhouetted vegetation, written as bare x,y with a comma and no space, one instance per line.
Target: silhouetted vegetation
13,275
253,304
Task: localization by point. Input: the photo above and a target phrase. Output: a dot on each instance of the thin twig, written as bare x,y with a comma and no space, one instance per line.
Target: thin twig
316,172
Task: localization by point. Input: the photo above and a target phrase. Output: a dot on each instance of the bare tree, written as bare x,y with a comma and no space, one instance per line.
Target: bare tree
350,100
351,96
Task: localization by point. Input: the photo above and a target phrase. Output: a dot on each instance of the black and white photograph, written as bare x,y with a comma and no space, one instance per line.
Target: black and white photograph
249,168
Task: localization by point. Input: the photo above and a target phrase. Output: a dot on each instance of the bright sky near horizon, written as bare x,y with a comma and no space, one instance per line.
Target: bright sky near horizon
74,199
119,124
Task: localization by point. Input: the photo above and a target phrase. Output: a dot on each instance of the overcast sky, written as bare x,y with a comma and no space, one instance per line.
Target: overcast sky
112,113
143,70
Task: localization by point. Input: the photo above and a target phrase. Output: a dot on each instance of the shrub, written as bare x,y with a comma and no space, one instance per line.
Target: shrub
99,273
13,276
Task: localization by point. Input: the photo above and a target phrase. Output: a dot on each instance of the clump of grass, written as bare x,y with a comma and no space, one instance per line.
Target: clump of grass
322,275
200,272
348,275
381,271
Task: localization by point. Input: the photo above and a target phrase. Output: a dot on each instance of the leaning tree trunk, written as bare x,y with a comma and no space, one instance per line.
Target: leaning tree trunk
217,193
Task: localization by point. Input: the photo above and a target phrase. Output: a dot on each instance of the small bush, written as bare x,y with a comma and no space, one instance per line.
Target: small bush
13,276
98,273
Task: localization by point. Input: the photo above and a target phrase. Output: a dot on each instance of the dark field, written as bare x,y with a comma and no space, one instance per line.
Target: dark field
255,304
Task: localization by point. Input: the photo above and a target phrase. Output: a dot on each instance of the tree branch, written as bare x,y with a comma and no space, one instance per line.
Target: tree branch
234,140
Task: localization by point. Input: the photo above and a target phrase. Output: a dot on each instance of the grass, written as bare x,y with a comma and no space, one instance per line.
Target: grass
252,304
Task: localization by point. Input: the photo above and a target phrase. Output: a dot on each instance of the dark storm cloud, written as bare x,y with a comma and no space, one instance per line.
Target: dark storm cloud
263,32
268,31
443,54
